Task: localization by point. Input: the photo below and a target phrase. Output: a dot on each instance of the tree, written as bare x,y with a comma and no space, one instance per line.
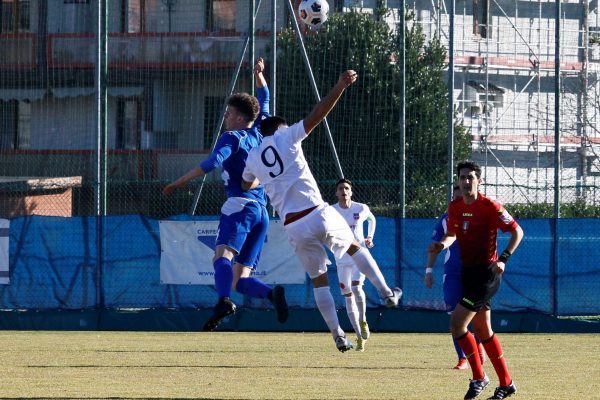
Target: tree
365,124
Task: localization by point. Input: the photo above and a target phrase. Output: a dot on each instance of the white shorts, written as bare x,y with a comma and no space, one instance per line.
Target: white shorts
348,272
323,226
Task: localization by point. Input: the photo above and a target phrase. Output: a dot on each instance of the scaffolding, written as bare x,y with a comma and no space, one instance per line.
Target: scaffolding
504,92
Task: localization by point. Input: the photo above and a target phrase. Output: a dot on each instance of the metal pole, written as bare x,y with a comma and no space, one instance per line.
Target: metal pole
402,144
273,77
557,84
313,85
251,35
451,101
101,104
101,136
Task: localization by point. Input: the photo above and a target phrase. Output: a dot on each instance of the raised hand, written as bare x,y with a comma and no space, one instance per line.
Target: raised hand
348,77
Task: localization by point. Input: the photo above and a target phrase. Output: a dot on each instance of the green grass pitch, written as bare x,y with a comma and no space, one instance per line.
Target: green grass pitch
238,365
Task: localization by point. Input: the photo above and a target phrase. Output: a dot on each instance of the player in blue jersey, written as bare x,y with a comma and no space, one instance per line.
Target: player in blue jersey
244,219
452,281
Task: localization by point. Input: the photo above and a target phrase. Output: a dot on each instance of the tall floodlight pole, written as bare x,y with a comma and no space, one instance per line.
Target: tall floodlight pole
450,183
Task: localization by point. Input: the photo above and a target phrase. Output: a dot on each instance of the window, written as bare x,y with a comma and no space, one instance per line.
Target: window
212,114
481,18
15,124
221,15
129,119
133,15
14,16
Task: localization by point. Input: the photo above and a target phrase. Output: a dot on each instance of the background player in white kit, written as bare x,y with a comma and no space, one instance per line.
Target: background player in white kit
279,164
350,277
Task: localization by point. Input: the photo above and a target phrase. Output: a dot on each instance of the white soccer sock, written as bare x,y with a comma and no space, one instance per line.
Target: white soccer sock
352,311
368,266
326,306
361,302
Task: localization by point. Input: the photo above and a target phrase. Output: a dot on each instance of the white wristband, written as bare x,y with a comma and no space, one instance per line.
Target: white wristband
428,270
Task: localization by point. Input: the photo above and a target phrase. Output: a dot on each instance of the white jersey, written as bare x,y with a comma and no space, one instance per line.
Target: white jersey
355,216
280,165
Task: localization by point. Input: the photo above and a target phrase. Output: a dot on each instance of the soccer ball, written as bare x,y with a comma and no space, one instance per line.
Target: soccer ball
313,12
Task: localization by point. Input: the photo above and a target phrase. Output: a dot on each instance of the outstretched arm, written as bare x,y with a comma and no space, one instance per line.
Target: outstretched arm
320,111
183,180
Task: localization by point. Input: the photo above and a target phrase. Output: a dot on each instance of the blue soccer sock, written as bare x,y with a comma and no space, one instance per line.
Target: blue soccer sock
459,351
253,287
223,276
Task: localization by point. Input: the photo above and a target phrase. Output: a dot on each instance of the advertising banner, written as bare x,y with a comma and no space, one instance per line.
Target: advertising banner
187,249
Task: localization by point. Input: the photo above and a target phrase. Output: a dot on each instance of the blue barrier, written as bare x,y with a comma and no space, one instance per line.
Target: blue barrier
113,263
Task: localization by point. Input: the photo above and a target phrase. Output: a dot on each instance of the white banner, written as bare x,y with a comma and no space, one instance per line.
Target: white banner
4,232
187,249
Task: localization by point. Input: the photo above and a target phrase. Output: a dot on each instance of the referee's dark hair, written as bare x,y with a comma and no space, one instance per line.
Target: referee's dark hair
470,165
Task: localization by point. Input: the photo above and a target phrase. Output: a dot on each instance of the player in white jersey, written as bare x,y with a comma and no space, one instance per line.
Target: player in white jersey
279,164
350,277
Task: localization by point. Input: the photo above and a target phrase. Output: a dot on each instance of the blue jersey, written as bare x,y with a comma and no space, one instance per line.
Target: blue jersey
452,263
231,151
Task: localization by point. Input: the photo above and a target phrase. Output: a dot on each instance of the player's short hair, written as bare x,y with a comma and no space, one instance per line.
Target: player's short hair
470,165
270,125
245,104
343,180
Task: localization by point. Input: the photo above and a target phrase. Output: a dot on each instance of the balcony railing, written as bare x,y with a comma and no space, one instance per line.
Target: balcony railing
150,50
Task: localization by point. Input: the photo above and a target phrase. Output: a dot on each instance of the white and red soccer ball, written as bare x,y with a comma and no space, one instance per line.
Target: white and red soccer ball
313,12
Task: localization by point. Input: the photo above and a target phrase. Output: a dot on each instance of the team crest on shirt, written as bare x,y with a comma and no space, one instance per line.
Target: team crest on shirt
356,216
506,217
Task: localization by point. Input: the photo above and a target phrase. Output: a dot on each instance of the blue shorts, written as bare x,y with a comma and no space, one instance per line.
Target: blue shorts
452,291
243,227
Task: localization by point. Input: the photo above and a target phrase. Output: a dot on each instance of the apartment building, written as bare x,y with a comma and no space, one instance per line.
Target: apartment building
171,62
169,68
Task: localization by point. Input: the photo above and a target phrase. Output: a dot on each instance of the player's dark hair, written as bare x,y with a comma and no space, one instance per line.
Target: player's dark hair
343,180
470,165
456,187
246,104
270,125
